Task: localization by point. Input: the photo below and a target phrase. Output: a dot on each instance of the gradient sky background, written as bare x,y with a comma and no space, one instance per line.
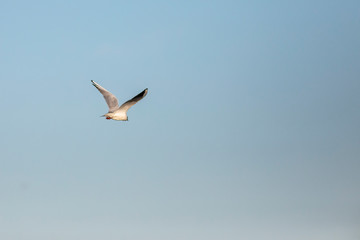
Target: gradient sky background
250,129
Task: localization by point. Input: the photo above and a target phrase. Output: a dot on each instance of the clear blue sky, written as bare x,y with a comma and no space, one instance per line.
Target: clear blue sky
250,129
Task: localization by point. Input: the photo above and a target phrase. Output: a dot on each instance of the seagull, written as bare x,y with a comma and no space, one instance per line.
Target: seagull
116,112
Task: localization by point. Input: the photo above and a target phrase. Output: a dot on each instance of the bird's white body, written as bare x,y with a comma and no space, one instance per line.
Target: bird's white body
117,112
117,115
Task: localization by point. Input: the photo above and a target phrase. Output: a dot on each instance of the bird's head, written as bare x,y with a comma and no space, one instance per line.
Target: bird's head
106,116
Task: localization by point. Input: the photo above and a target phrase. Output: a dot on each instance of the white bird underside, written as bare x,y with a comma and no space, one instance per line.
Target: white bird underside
117,112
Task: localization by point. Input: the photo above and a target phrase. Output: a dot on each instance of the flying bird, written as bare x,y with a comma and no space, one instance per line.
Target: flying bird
116,112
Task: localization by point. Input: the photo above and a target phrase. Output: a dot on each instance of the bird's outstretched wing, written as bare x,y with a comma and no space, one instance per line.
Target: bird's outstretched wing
110,98
128,104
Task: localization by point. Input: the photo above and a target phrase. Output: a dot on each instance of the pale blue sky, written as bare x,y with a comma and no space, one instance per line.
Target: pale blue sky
250,129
